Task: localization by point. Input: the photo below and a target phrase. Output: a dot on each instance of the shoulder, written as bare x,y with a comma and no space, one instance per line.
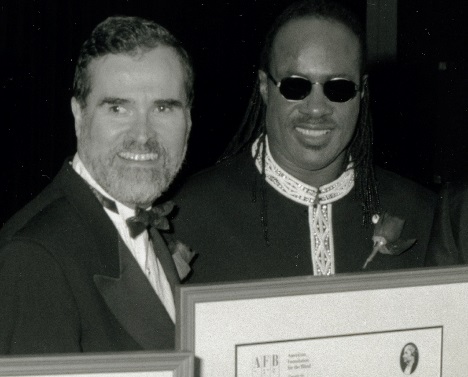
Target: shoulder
42,242
51,193
55,225
215,193
233,173
453,200
50,217
449,238
399,189
456,192
407,200
38,207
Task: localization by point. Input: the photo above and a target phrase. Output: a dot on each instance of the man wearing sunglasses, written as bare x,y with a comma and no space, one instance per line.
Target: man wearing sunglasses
298,193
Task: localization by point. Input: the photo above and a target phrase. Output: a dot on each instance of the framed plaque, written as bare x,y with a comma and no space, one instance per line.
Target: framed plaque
128,364
408,322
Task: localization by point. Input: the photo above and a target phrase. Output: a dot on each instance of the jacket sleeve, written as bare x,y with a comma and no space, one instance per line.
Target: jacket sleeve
443,249
38,313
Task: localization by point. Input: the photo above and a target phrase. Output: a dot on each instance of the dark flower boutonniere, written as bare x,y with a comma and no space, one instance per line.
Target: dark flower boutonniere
182,255
387,232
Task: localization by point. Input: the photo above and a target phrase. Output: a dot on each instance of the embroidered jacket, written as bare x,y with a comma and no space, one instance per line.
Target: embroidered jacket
220,217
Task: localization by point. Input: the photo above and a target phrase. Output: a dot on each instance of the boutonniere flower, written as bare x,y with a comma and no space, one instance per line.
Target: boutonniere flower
386,238
182,256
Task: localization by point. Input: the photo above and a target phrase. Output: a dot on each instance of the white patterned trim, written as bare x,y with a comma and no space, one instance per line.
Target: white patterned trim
321,238
298,191
320,209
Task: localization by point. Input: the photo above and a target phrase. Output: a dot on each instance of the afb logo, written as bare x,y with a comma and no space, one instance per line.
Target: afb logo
266,366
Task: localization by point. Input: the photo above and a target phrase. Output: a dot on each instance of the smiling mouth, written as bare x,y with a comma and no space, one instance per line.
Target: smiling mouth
138,156
310,132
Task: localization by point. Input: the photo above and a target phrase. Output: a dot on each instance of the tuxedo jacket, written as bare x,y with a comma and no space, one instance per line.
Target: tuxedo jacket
220,217
68,283
449,239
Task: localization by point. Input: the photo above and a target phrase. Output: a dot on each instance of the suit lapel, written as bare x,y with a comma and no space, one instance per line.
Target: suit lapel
117,275
135,304
165,258
103,242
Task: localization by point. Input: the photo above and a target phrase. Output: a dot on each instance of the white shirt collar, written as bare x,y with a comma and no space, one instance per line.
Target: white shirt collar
124,211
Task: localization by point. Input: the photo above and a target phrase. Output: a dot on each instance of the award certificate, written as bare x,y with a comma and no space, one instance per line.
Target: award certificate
410,322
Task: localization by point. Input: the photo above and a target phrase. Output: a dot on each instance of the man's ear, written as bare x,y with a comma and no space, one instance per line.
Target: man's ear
263,80
78,114
364,85
189,125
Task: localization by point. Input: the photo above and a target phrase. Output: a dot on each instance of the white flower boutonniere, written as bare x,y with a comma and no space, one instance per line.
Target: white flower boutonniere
387,232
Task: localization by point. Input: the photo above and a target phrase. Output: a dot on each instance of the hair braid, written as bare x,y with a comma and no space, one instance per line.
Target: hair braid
359,149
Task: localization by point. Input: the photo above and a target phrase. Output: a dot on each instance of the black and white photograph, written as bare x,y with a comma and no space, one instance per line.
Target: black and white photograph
152,147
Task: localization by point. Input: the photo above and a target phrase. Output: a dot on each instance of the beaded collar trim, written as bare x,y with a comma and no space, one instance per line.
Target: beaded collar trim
298,191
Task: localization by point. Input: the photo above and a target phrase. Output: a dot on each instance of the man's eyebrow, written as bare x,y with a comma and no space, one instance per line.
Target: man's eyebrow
340,75
168,102
321,77
113,101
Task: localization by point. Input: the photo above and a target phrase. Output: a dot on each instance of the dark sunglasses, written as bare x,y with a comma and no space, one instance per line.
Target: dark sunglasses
296,88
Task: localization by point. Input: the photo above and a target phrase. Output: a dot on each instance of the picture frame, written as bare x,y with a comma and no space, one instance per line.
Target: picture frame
125,364
362,324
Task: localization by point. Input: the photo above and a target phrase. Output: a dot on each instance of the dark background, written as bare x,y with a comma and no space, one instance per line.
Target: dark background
419,98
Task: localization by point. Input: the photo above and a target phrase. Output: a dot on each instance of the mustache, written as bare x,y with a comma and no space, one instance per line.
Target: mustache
150,146
306,119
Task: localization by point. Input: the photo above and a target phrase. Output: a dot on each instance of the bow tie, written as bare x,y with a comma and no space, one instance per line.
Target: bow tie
143,219
154,217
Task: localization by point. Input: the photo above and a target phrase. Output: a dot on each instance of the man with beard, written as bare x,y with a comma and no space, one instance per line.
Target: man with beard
298,193
83,267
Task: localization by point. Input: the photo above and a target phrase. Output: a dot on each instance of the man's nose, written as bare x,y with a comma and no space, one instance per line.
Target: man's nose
143,127
316,103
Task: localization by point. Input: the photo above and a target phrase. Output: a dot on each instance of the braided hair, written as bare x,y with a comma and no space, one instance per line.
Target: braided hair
360,147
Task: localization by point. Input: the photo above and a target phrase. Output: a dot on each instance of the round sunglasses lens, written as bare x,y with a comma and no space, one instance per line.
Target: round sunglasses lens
339,90
295,88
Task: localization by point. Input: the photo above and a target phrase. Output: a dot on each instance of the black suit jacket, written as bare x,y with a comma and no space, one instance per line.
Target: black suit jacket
68,283
449,239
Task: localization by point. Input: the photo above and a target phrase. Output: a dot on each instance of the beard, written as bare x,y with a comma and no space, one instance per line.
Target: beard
125,181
